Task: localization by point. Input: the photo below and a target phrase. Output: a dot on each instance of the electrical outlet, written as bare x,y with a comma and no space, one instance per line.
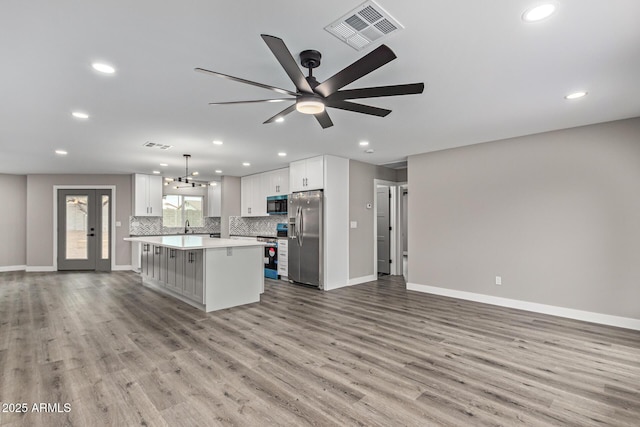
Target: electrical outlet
498,280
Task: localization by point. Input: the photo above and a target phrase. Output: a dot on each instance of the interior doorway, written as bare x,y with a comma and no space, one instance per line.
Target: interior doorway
84,229
383,228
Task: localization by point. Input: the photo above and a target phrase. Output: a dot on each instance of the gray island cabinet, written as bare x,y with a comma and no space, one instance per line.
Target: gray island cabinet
207,273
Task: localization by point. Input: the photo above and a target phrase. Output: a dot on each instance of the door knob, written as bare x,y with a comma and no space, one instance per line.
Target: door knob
91,235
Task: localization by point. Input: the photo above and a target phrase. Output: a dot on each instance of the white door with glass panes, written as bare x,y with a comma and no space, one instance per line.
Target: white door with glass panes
84,229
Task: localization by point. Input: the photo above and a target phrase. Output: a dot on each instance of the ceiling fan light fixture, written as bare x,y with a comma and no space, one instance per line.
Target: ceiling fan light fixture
309,105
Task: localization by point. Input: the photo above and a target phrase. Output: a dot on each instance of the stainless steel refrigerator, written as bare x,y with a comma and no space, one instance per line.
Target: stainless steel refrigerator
305,238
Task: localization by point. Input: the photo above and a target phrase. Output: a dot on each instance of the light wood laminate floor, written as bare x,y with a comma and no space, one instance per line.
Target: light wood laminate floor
373,354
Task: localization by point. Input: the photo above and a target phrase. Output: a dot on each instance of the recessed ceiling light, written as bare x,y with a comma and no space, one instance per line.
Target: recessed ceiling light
61,152
103,68
195,173
166,183
538,13
213,184
246,164
163,164
218,171
156,172
282,154
576,95
80,115
168,179
364,143
280,119
217,142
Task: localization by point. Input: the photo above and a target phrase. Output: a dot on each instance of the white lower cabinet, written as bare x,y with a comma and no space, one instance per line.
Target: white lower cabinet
180,271
283,257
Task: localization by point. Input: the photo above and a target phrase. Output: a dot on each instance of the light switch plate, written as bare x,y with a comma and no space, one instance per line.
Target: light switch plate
354,224
118,224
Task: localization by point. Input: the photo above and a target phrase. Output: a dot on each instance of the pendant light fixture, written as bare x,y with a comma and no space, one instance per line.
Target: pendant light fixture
187,180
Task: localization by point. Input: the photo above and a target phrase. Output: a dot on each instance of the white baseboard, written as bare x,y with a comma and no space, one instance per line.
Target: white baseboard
40,268
13,268
122,268
363,279
351,282
570,313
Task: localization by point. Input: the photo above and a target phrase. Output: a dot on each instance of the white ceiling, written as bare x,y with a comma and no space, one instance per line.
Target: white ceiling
488,76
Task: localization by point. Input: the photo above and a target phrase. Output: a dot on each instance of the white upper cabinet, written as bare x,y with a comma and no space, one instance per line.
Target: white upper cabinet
147,195
246,195
254,190
214,200
278,182
307,174
259,198
253,199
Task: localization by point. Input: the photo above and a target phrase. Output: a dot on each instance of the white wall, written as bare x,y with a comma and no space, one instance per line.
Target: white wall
361,239
13,222
556,215
230,204
336,222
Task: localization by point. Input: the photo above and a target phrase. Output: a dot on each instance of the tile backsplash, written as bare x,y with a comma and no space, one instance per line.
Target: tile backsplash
255,226
152,226
238,226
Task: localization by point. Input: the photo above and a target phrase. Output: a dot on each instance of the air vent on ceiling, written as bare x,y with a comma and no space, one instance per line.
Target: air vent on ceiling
363,25
154,145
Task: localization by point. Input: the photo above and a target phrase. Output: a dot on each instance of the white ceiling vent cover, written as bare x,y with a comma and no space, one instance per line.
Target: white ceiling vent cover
149,144
363,25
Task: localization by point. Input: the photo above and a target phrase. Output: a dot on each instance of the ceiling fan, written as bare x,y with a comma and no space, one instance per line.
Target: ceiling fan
311,97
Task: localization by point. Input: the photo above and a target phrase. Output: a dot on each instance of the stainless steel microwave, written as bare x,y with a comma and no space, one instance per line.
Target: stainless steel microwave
277,205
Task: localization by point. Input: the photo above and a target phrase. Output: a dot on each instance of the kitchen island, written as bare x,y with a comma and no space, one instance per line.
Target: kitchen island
205,272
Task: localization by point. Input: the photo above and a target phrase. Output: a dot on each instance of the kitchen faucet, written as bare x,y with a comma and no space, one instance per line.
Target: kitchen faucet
186,226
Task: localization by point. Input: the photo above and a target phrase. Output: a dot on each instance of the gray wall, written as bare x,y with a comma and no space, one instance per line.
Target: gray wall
40,214
361,192
230,205
557,215
401,175
13,221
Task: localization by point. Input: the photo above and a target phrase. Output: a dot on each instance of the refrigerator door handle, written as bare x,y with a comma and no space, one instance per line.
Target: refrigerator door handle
298,225
301,227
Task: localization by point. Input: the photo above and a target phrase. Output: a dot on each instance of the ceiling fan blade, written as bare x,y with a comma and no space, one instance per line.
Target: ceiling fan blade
280,114
249,82
372,92
359,108
324,119
253,101
283,55
363,66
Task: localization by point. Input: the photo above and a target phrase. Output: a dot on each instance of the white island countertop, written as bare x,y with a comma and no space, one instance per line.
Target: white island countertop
187,242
